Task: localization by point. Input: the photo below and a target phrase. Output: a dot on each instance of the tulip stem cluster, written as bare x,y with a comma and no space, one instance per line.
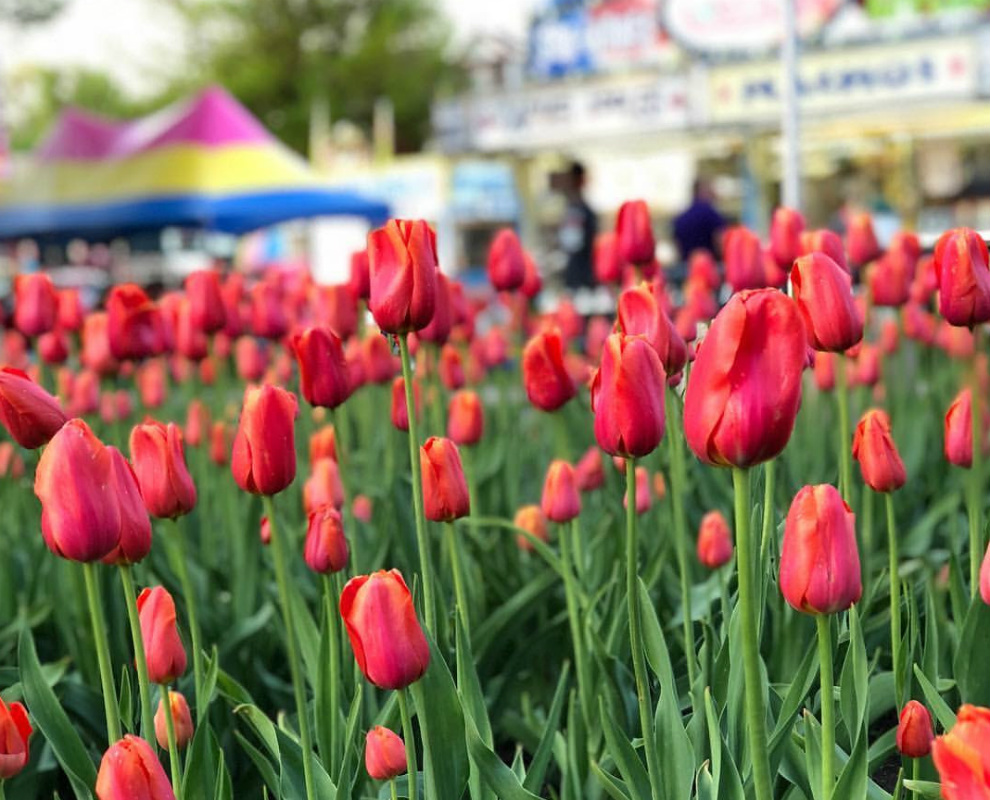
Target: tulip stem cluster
175,765
140,659
182,567
756,716
426,569
292,645
102,644
895,601
407,735
823,621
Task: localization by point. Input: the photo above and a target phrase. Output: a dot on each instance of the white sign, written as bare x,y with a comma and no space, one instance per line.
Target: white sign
864,77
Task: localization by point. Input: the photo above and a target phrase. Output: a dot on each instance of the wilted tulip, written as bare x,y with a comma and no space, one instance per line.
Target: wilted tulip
634,233
445,494
874,449
714,540
384,754
465,418
163,648
181,719
388,642
962,266
914,731
30,415
962,756
325,549
15,730
35,304
402,259
264,455
823,292
129,770
506,261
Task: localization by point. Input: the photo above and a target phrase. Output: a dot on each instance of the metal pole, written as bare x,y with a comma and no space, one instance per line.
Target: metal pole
790,123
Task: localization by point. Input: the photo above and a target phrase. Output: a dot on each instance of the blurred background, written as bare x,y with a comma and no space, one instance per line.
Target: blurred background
247,116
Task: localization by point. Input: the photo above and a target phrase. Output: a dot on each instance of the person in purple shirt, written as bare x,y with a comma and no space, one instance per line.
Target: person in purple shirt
699,224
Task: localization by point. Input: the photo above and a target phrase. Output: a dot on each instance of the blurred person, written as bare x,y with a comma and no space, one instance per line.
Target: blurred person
577,232
698,226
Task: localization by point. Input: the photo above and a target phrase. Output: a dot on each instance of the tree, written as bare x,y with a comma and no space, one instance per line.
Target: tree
29,12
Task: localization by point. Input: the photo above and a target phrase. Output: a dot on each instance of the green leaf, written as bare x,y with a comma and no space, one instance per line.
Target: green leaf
225,789
970,667
496,774
52,721
624,754
853,778
292,781
473,701
125,701
854,679
210,678
925,788
945,715
813,754
726,783
796,694
201,763
612,785
541,759
261,761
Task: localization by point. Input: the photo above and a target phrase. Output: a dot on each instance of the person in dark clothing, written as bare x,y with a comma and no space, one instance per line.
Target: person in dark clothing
577,232
699,224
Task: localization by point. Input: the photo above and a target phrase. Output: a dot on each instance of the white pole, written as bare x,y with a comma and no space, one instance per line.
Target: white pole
790,111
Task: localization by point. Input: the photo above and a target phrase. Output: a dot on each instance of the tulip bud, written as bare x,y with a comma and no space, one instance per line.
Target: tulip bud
958,430
323,486
659,486
206,309
714,540
322,366
960,756
506,261
325,549
861,241
532,520
400,414
361,508
561,499
160,465
548,384
135,527
465,418
15,730
532,283
785,236
634,233
824,370
264,456
627,397
181,719
743,256
589,472
388,642
644,497
874,449
402,259
130,769
35,303
914,731
744,389
889,281
640,314
163,648
819,560
962,266
445,494
605,256
384,754
134,323
823,292
265,531
30,415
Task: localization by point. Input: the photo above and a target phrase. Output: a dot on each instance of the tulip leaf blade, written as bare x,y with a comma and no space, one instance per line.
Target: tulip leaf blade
541,759
624,755
945,715
495,773
973,655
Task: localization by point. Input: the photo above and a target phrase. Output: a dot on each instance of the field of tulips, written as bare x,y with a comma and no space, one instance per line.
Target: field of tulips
395,539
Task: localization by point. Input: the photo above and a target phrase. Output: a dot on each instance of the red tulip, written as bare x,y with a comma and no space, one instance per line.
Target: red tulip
384,754
134,542
325,549
532,283
640,314
163,648
561,500
322,367
889,281
743,257
53,347
985,577
206,308
30,415
506,261
232,294
874,448
450,368
786,228
250,359
627,396
861,241
402,258
819,561
914,731
362,508
958,430
548,384
323,444
400,414
827,242
823,291
337,307
634,233
824,370
445,494
607,261
644,497
962,266
35,304
388,642
744,390
360,277
264,456
465,418
268,317
714,540
70,310
219,443
181,719
160,465
323,486
190,341
15,730
589,472
962,756
130,770
197,422
134,323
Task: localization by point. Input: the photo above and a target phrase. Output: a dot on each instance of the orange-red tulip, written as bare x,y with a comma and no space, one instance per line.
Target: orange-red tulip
532,520
548,383
874,449
30,415
958,430
914,731
160,465
163,648
589,471
644,494
323,486
384,754
181,719
445,494
450,368
130,770
264,455
714,540
823,292
402,258
465,418
197,422
962,756
15,730
70,310
400,414
962,266
362,508
220,443
325,549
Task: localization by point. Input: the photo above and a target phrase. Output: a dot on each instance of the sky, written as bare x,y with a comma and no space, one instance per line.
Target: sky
133,39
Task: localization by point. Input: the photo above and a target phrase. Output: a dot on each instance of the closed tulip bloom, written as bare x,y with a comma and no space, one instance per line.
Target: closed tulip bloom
465,418
823,292
914,731
608,263
220,443
786,228
325,549
384,754
135,527
985,577
589,472
151,380
323,444
323,486
506,261
561,499
35,304
634,233
962,266
134,323
130,770
627,397
190,341
861,241
338,309
532,520
439,328
264,454
377,360
70,310
640,314
958,430
402,258
962,756
265,531
85,394
824,241
889,280
80,515
714,540
362,508
359,280
548,383
206,309
53,347
181,719
874,449
268,314
388,642
322,366
197,423
445,494
744,389
743,256
644,494
30,415
824,370
160,465
532,283
400,414
15,730
163,648
250,359
819,560
450,368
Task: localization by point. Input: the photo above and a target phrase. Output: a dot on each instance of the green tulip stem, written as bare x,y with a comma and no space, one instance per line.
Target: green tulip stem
756,715
828,704
724,591
3,791
102,645
574,617
845,443
636,635
181,559
140,659
336,753
895,601
174,762
457,568
408,737
426,569
339,422
975,500
467,460
915,776
769,478
295,665
391,783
